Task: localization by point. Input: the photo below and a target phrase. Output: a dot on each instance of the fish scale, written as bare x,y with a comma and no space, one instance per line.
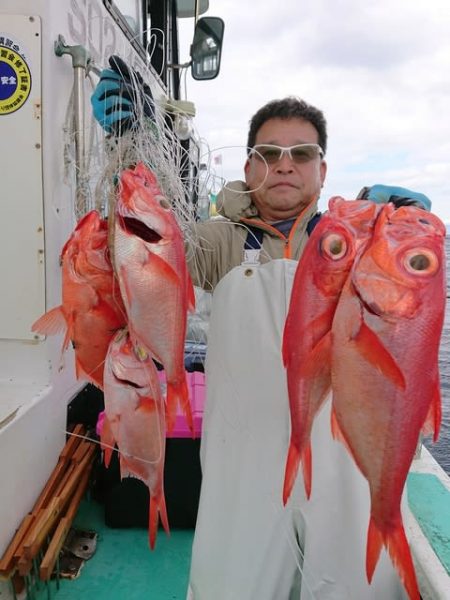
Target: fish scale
153,277
385,340
321,272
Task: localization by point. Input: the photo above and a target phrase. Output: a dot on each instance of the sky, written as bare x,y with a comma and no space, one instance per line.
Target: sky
379,70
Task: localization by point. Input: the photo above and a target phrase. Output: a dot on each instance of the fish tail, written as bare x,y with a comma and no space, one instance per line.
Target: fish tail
290,472
307,469
107,441
398,548
374,545
178,394
157,510
293,460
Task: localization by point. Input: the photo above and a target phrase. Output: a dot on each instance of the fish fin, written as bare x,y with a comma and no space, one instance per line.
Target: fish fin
290,471
337,432
167,270
317,371
177,393
95,376
318,364
321,323
433,421
374,545
107,441
294,458
398,548
190,294
373,350
339,435
51,323
147,404
157,510
306,459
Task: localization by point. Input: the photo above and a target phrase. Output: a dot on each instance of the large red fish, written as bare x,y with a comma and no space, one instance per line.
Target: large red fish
385,380
92,309
322,270
135,420
156,287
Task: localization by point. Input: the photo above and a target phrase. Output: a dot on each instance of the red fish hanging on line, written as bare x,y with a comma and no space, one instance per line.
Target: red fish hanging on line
339,237
92,309
385,341
155,284
135,420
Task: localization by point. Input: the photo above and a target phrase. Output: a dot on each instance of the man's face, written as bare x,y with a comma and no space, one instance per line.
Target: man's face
283,189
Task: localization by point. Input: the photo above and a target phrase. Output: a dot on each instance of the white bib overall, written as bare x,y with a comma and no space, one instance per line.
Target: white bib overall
247,546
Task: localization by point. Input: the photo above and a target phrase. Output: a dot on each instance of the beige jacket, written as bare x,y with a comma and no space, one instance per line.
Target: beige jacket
216,246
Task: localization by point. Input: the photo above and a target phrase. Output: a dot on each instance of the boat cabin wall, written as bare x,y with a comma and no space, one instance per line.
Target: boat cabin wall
38,179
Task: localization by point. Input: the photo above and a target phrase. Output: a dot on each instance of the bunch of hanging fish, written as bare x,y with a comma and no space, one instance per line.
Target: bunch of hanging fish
365,321
121,319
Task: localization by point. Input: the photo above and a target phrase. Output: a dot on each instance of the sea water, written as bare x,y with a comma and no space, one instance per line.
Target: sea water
441,449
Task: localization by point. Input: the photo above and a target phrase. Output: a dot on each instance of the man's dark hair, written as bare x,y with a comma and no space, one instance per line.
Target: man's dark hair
288,108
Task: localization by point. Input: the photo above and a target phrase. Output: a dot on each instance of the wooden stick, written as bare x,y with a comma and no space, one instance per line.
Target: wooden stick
66,454
47,518
8,559
49,560
73,441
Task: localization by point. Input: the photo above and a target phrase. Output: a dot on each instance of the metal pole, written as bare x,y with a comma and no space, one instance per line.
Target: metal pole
80,61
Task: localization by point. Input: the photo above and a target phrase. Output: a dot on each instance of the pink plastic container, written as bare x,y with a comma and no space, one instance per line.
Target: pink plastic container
196,386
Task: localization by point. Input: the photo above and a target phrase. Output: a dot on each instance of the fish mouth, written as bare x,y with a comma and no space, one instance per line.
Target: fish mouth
127,382
371,307
139,229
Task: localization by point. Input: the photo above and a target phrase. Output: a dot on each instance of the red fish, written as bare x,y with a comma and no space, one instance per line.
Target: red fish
154,280
134,419
322,270
92,309
386,333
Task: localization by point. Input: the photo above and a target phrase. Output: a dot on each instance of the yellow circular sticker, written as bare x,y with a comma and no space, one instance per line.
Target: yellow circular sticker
15,81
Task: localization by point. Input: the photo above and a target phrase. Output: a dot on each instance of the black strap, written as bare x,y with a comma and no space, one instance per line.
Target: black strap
313,222
254,238
255,234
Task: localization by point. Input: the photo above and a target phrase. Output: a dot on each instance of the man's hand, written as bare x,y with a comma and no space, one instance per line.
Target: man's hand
399,196
121,98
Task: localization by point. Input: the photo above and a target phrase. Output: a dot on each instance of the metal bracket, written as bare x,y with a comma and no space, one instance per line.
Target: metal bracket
80,55
81,543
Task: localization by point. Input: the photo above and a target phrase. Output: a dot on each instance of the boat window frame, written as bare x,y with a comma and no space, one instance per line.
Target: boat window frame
137,42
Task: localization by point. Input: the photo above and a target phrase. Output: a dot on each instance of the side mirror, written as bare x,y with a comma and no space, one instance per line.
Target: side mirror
206,48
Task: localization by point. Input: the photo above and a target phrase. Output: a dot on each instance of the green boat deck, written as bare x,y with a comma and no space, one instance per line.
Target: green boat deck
123,566
429,500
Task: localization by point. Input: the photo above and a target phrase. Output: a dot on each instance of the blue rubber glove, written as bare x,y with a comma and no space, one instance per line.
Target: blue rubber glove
121,97
399,196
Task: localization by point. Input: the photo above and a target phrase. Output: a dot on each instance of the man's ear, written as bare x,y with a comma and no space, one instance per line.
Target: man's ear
247,166
323,170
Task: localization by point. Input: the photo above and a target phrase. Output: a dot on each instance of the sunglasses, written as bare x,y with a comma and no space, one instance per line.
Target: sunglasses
300,153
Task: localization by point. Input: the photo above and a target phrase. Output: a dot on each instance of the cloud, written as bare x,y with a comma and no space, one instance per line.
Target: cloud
378,70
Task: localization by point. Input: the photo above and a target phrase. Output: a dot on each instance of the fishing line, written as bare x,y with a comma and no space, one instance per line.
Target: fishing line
114,448
296,550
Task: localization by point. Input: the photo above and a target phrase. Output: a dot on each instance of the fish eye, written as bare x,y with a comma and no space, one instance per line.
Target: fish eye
421,261
334,246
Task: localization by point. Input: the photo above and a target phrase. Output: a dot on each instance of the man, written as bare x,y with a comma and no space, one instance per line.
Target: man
279,198
247,546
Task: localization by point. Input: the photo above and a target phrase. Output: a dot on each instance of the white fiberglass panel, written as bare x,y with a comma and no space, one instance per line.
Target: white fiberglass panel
22,264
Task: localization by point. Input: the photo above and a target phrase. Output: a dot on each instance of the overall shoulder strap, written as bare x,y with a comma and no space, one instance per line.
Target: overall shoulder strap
313,222
252,245
254,238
